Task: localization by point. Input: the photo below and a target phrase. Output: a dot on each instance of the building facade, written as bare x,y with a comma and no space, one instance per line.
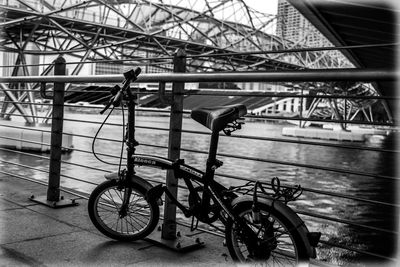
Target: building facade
293,26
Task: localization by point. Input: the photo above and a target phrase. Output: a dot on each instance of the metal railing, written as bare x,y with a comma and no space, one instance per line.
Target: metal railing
173,148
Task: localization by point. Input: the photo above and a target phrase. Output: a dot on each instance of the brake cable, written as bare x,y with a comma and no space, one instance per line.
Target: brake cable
123,137
95,137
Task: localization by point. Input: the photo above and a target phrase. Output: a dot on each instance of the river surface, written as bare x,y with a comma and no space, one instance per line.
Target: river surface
361,186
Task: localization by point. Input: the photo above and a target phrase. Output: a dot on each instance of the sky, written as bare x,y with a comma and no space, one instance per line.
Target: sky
264,6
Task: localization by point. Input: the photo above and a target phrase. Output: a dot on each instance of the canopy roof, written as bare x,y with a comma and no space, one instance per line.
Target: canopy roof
371,25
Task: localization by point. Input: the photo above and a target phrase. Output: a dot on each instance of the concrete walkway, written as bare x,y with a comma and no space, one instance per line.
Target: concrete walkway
35,235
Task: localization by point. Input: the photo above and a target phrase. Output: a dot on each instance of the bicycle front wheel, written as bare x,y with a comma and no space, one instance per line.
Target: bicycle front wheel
104,208
278,242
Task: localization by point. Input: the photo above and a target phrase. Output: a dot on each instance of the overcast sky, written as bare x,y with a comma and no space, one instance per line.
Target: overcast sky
264,6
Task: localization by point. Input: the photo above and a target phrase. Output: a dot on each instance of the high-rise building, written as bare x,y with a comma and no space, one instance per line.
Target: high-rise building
293,26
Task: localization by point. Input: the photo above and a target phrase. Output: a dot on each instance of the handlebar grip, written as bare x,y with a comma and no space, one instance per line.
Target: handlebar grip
132,74
138,70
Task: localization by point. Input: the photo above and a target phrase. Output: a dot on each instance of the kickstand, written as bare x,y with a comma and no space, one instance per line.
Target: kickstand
193,224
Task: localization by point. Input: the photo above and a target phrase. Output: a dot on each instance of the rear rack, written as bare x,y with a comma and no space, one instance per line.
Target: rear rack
273,190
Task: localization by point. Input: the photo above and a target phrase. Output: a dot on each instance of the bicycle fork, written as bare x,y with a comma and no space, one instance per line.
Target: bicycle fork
123,211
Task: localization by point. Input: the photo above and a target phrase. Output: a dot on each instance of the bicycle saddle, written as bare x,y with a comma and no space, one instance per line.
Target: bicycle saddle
216,118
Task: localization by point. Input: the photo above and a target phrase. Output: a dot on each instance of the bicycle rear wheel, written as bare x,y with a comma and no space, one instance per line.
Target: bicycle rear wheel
278,241
104,211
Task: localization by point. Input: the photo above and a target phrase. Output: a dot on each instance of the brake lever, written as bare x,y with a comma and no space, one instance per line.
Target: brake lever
117,99
115,89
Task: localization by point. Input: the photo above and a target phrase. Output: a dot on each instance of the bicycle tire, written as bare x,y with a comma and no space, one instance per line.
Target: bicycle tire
103,207
290,248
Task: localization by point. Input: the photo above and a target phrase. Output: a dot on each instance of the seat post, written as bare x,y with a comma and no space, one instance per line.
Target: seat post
209,175
212,153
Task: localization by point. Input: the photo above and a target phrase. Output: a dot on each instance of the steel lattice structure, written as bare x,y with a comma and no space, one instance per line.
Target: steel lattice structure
128,29
213,33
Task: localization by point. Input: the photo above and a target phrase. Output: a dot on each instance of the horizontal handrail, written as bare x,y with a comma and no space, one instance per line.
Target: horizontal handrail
220,92
289,76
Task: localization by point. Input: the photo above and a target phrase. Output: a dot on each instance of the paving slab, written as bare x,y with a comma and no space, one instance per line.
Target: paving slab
86,249
8,205
23,224
11,257
80,249
36,235
75,215
19,190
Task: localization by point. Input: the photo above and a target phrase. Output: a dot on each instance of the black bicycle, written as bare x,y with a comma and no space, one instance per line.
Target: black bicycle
259,226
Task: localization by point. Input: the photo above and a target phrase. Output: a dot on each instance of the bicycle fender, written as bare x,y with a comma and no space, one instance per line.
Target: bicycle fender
135,179
285,211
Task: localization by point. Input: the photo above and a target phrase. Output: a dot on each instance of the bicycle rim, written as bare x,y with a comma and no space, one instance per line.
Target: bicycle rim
137,222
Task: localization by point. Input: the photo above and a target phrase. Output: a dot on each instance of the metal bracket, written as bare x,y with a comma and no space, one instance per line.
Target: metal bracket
181,243
62,203
43,91
162,95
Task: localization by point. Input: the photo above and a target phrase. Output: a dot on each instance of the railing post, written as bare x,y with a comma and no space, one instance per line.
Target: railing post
53,191
174,146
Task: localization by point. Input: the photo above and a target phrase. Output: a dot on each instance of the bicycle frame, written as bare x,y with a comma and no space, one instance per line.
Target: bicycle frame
188,174
181,170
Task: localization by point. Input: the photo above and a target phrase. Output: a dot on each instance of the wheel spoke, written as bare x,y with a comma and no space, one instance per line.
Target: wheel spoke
138,221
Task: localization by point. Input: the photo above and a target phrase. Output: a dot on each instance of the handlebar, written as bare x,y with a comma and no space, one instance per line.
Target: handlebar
117,92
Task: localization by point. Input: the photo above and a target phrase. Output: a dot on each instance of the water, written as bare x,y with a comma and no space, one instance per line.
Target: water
345,209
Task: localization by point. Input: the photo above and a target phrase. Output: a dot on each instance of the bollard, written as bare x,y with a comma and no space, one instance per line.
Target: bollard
53,191
174,146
